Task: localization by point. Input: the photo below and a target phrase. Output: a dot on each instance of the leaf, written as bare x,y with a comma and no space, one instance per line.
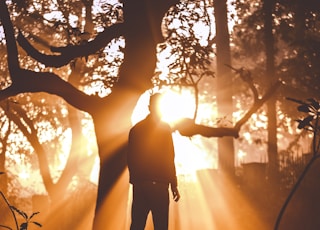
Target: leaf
24,226
21,213
304,108
33,214
36,223
305,122
315,104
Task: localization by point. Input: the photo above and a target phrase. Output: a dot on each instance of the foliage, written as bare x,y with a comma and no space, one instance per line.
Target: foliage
44,23
296,35
189,39
28,219
296,55
187,50
109,14
310,122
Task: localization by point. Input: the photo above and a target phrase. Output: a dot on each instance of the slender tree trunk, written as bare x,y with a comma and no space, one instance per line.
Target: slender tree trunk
224,95
271,104
300,20
4,144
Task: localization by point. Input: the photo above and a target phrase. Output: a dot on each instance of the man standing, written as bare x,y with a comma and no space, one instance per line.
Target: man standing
152,169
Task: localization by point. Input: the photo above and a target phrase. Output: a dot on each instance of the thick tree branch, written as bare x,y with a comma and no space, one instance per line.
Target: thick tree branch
32,82
10,39
24,81
28,81
187,127
69,53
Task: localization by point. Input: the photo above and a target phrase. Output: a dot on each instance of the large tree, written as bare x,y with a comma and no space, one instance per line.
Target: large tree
111,115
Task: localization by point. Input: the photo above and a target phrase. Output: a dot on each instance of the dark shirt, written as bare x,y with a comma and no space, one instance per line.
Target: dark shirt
151,153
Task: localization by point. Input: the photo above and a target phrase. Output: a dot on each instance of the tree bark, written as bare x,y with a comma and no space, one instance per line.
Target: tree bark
271,104
224,81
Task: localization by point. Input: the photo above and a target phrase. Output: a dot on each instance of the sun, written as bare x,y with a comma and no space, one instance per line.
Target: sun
173,106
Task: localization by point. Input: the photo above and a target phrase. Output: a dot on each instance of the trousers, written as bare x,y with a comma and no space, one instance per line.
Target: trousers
150,197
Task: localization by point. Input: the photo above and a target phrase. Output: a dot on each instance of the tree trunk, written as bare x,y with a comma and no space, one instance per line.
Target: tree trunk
113,122
271,104
4,144
224,81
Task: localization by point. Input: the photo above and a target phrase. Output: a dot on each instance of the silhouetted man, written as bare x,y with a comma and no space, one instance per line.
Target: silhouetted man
152,169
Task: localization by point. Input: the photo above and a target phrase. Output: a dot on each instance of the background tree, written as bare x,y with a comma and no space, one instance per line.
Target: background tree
310,123
250,45
224,85
270,75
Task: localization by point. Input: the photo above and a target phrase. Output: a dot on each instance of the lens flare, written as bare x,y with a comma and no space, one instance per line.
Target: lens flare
175,106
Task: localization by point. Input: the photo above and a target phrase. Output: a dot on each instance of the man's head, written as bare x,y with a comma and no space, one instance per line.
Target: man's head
154,105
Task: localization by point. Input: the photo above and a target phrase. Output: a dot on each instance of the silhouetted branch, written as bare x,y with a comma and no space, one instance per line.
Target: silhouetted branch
13,63
24,81
31,82
68,53
2,226
245,75
187,127
257,104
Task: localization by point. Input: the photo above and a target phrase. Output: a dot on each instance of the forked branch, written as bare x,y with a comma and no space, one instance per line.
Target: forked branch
68,53
187,127
24,81
245,75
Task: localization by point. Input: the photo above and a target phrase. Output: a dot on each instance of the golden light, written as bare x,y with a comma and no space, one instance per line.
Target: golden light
24,175
191,155
176,106
201,197
173,106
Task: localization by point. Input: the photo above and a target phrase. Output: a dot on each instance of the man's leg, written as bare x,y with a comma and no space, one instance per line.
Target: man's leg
160,207
139,209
